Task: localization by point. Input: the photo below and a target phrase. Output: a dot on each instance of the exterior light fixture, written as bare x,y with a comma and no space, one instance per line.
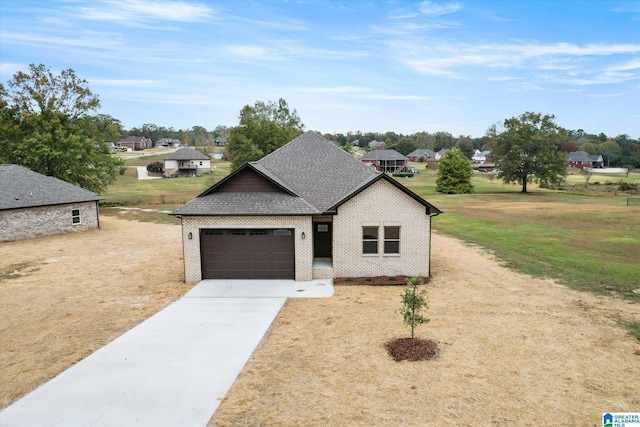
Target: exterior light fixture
303,235
190,235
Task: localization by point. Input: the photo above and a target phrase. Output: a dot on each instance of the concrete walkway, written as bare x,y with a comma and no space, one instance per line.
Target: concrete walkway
144,174
172,369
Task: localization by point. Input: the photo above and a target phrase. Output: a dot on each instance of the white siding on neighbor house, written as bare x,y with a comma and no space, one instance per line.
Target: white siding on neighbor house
381,205
172,164
193,225
26,223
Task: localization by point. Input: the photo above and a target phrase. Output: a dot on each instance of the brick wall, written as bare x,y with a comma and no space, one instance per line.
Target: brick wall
379,205
26,223
300,224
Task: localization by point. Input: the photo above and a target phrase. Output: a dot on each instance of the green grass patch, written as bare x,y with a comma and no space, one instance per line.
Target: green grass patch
633,328
150,199
589,243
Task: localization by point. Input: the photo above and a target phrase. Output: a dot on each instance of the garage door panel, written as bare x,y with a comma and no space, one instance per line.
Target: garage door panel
247,254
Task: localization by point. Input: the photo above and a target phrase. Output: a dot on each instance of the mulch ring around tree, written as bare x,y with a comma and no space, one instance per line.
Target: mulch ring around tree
401,349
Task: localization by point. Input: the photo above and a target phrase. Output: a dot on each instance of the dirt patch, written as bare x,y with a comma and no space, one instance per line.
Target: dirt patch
63,297
514,350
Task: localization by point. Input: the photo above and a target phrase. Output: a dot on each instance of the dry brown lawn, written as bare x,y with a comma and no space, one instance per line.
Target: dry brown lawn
63,297
513,349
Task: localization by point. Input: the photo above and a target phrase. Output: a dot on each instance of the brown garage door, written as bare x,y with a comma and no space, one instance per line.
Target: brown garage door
247,254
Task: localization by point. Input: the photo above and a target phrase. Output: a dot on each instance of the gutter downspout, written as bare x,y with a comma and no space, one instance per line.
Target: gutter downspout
98,213
184,265
430,233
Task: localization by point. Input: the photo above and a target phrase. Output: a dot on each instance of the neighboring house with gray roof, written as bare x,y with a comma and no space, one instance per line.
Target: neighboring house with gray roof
387,161
34,205
306,211
426,154
581,159
186,162
377,145
168,142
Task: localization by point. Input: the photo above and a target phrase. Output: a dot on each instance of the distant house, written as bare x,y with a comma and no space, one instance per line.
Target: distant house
34,205
480,157
377,145
426,154
135,143
186,162
220,141
168,142
433,163
388,161
581,159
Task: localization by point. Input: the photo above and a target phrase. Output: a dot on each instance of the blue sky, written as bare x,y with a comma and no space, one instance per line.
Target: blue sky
403,66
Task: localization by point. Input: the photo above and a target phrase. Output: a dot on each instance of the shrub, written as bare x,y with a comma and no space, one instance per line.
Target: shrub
122,170
155,167
454,174
627,186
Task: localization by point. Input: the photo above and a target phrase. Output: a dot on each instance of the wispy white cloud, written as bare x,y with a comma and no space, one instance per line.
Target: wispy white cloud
435,9
8,69
291,25
127,82
505,78
357,92
140,12
252,52
452,59
606,95
83,39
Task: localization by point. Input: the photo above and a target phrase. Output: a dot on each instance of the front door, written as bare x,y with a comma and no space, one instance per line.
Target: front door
322,240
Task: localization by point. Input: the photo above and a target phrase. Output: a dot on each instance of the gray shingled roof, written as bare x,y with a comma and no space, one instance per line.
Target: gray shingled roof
583,156
187,154
383,155
420,152
246,203
318,175
316,170
23,188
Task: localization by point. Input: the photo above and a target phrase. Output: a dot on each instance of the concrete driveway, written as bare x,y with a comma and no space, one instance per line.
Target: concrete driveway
172,369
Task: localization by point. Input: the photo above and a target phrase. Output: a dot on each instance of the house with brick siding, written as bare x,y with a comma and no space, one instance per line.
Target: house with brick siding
388,161
34,205
306,211
423,153
135,143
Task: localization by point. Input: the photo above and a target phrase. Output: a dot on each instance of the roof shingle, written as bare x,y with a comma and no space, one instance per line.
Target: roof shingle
23,188
187,154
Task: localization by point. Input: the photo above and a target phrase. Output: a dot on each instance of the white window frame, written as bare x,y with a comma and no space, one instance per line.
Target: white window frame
74,217
391,240
370,240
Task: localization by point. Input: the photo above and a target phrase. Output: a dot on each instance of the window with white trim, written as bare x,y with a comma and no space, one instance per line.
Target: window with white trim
369,240
391,239
75,217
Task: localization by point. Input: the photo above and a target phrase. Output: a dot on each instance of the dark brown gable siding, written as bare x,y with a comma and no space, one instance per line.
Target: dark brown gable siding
249,181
